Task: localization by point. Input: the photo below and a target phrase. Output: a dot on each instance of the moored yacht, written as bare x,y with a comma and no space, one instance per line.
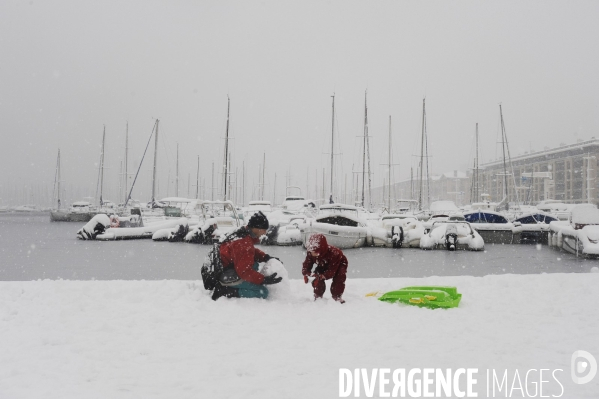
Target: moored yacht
340,224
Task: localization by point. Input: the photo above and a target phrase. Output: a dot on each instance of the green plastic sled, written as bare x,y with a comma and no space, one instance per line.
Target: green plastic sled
430,297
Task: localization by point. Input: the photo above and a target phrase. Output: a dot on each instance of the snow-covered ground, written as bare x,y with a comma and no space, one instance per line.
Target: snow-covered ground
168,339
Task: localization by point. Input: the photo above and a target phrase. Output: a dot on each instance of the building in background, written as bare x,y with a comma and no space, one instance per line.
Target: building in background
567,173
452,186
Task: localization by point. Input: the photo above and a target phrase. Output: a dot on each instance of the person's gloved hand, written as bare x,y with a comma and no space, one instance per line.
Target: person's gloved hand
272,279
306,279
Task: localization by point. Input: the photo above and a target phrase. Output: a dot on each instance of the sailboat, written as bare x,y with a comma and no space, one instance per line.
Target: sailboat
339,223
495,227
79,211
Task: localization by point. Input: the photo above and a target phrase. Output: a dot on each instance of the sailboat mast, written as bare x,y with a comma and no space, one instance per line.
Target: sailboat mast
212,186
389,193
177,173
229,168
227,146
102,167
421,157
411,182
155,162
332,141
345,191
476,185
364,145
503,150
198,179
126,157
140,163
263,184
58,178
369,173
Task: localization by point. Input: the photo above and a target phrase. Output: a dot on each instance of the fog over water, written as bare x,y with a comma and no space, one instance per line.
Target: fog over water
69,68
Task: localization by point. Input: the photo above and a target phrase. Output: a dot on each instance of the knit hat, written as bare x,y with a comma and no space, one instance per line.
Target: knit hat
258,221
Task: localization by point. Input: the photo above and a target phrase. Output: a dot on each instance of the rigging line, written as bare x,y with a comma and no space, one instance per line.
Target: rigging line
140,163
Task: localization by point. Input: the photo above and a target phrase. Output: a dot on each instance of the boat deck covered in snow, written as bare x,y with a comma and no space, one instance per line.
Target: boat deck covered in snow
452,235
340,224
494,227
580,236
534,228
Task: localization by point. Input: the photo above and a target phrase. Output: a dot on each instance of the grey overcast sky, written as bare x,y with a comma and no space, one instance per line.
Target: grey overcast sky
67,68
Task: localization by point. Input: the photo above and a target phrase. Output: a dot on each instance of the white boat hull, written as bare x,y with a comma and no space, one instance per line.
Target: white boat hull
338,236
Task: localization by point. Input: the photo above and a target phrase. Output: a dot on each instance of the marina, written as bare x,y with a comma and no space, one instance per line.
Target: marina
37,249
292,200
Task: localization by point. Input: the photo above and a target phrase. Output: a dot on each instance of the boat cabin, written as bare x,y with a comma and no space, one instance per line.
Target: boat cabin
484,217
255,206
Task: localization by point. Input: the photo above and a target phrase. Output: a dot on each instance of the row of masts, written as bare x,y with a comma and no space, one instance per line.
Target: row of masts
366,171
226,166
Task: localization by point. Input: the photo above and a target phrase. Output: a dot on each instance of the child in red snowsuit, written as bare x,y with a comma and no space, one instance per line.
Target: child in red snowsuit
330,264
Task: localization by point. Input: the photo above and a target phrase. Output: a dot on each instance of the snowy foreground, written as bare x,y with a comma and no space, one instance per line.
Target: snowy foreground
168,339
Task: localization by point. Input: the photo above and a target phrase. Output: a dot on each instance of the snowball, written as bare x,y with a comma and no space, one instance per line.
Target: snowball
282,290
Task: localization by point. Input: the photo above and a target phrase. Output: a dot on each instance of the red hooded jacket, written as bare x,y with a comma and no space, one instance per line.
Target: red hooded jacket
242,255
330,259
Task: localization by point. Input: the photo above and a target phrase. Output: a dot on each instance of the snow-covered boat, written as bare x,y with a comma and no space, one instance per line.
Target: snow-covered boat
284,228
287,235
340,224
494,227
254,206
217,218
580,236
26,208
180,206
96,226
443,209
391,230
558,209
135,233
452,235
173,234
534,227
105,228
484,206
79,211
298,204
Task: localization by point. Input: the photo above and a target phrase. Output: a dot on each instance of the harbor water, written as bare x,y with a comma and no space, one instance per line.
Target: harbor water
32,248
